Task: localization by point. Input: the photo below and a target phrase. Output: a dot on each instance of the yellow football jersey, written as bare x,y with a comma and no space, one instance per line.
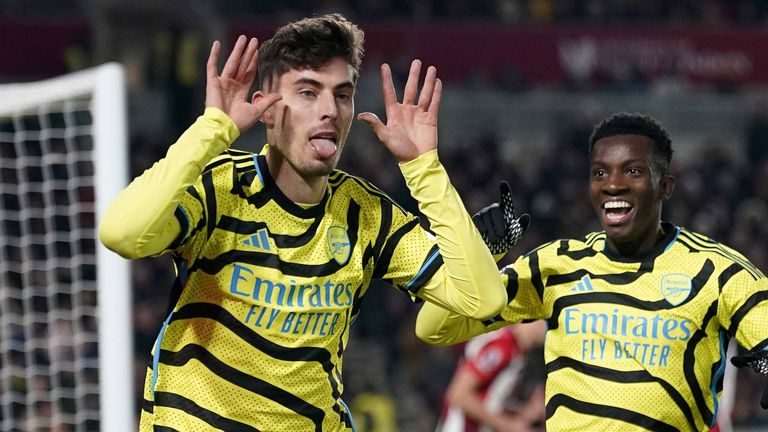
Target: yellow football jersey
269,290
631,344
638,344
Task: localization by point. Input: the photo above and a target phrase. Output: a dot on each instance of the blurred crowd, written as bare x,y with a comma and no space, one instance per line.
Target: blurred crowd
706,12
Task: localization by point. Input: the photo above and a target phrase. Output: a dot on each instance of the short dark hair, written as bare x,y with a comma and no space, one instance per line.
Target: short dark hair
623,123
311,42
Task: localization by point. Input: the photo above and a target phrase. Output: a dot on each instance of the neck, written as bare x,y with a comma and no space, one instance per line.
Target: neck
297,188
634,248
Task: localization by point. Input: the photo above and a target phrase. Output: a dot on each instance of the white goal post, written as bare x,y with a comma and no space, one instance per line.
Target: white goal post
66,358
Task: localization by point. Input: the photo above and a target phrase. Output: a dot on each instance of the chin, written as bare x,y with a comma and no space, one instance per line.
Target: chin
320,169
616,232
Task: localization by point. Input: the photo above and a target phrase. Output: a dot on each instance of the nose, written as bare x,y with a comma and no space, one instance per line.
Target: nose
328,107
614,184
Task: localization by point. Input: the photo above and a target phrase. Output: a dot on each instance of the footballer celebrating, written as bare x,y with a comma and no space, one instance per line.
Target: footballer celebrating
275,251
639,315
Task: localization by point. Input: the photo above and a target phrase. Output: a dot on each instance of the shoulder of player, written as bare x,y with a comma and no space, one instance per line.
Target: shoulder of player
231,159
567,246
715,251
356,187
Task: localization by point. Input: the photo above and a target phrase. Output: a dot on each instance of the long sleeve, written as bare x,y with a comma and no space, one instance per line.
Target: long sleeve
470,284
140,222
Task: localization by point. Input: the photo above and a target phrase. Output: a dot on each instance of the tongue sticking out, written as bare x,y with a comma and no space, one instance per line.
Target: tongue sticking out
325,148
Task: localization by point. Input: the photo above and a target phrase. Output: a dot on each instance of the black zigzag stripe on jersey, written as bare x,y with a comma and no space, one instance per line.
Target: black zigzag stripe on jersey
752,301
626,300
210,202
218,161
426,272
512,282
370,188
157,428
698,242
238,378
689,364
624,377
148,406
175,401
223,317
389,248
575,255
306,354
273,193
183,223
592,238
239,226
384,226
214,266
203,218
631,417
357,302
538,284
625,278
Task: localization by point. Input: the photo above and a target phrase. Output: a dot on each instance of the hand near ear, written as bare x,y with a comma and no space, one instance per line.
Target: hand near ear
228,91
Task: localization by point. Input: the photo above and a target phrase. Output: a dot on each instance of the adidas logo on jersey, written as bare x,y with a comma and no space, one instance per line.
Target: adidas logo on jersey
585,284
258,240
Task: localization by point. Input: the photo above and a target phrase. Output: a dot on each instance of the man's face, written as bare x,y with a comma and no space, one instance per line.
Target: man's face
311,122
624,192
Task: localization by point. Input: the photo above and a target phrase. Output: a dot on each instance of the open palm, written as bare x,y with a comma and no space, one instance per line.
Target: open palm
229,91
411,128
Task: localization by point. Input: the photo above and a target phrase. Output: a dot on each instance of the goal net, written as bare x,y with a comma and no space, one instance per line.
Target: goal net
65,330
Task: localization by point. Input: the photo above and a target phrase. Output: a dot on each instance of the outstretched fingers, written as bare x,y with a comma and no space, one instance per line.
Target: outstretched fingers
388,89
427,92
233,62
247,69
211,68
437,94
412,84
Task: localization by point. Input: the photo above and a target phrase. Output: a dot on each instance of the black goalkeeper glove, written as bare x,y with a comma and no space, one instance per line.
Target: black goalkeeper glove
758,361
498,225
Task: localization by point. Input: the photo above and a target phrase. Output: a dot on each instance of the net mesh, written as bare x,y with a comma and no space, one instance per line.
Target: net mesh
49,378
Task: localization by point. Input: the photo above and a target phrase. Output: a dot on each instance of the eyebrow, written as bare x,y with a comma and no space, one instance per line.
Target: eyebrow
316,83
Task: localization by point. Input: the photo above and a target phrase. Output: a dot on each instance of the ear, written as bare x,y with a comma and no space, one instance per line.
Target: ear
667,186
267,117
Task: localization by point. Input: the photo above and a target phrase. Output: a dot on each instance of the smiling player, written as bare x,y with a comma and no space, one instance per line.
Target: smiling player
638,315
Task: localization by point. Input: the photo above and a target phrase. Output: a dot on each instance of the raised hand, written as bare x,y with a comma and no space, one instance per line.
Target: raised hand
411,128
498,225
229,91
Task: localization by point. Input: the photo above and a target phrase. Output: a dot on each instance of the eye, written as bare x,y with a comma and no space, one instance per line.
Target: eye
343,97
634,171
307,93
598,172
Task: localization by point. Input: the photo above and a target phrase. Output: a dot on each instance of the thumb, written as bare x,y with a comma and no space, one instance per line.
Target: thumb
372,120
524,221
268,100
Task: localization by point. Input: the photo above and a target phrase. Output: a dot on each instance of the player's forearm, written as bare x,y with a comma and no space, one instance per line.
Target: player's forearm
140,221
437,326
475,287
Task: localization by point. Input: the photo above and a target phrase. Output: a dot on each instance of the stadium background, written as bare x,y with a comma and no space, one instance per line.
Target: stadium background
525,82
